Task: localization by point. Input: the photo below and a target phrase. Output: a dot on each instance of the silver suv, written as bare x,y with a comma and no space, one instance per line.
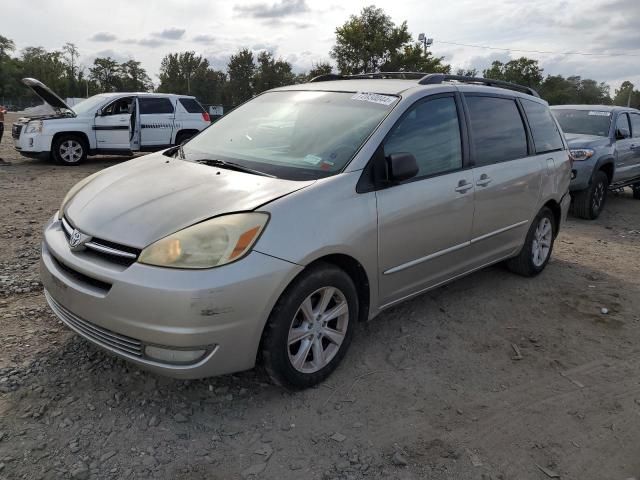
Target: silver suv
309,208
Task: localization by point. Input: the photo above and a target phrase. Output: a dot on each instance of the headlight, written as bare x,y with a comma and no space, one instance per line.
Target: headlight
578,154
75,189
208,244
34,126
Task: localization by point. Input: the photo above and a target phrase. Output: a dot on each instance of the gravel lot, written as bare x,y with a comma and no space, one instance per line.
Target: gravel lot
430,389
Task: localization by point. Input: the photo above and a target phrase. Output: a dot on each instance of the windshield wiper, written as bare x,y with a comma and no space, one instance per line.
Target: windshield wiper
212,162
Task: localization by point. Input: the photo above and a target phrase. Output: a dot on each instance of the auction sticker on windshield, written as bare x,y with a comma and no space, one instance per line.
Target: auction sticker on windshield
374,98
599,114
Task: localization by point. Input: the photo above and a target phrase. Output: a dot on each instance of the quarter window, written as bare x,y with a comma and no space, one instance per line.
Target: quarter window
155,105
546,136
191,105
431,132
497,130
635,124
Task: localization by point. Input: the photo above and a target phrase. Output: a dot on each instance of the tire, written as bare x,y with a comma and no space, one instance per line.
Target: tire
293,363
69,150
636,191
527,263
183,137
589,203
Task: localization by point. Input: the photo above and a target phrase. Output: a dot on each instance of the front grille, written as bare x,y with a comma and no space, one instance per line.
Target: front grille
99,335
15,130
111,251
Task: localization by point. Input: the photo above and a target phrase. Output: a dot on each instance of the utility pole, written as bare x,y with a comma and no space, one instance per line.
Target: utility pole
425,41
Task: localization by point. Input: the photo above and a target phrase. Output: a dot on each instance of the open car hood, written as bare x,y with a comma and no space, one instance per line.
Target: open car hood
47,95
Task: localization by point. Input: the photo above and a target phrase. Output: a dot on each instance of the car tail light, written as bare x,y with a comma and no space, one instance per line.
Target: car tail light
206,117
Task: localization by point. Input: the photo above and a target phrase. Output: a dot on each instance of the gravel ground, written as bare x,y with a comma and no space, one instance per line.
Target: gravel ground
430,389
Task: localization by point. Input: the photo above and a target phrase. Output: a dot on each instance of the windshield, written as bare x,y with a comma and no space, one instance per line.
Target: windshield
90,105
297,135
584,122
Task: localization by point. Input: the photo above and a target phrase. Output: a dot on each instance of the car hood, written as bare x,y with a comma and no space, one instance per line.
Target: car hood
576,140
145,199
47,95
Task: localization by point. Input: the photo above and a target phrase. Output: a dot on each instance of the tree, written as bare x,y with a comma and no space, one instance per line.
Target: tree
8,68
627,95
523,71
178,71
271,73
134,78
413,58
106,73
322,68
469,72
241,69
558,90
368,41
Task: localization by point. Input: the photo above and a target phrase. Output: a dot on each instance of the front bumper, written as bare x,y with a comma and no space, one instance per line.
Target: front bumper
581,174
33,144
124,309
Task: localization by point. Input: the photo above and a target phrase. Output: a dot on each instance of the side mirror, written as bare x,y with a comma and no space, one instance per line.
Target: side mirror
622,133
401,166
99,112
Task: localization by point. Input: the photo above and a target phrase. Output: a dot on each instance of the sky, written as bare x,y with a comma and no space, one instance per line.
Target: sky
303,31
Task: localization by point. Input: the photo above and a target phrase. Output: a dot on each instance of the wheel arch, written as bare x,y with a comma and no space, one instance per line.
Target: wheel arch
606,165
192,131
556,209
78,133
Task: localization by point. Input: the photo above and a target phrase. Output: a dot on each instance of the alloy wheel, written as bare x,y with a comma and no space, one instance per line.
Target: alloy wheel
598,197
542,242
71,151
318,329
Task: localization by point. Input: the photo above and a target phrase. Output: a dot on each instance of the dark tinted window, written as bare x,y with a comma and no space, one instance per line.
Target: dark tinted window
497,130
430,131
635,124
155,105
584,122
622,123
191,105
546,136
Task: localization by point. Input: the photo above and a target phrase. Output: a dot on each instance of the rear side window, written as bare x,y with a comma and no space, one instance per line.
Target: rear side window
155,105
431,132
546,136
635,124
497,130
191,105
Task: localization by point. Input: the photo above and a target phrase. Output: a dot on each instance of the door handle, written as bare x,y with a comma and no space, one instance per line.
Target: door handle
484,180
463,186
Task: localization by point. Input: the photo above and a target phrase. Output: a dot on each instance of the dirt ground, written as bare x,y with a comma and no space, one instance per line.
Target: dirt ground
431,389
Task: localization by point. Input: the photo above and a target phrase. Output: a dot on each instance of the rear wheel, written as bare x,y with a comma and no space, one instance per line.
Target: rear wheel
538,245
69,150
588,204
310,328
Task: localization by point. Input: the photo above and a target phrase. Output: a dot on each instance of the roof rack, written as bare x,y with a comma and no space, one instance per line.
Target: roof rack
429,79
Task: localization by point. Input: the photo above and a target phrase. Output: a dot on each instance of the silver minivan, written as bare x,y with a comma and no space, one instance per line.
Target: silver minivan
265,238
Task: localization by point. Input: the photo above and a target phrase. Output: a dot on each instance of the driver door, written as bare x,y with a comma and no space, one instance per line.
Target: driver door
112,125
134,127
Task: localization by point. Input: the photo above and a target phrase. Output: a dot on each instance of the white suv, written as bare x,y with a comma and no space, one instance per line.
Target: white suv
113,123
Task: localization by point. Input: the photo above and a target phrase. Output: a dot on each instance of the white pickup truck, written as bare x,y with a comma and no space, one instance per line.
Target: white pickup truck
108,123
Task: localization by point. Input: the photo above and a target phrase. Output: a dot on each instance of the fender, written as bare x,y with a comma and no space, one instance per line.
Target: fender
602,161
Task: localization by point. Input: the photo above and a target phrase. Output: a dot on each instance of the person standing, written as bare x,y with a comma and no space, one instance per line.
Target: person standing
2,112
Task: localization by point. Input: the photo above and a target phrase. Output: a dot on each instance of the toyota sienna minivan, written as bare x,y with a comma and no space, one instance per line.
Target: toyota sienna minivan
268,236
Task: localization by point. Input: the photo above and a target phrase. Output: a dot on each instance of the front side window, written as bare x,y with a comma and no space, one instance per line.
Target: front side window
546,137
150,106
497,130
622,124
431,132
584,122
297,135
635,124
119,107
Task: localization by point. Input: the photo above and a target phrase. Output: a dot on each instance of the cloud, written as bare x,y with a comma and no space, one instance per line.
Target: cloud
170,33
204,38
145,42
279,23
283,8
103,37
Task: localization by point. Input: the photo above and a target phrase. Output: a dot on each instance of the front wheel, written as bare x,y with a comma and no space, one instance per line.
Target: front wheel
310,328
588,204
538,245
69,150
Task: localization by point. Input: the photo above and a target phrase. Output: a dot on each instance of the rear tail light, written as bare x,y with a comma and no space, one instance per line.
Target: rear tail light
206,117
